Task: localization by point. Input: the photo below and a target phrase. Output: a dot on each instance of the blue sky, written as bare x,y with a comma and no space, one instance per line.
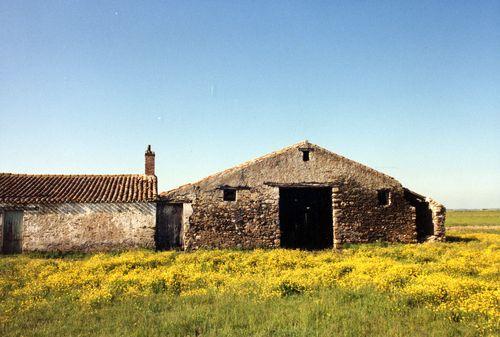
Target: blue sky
411,89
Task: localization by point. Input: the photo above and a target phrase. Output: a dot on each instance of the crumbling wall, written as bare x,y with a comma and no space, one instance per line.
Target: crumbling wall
438,219
430,216
89,227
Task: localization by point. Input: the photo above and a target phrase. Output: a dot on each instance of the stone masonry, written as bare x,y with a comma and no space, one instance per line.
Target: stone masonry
253,219
438,212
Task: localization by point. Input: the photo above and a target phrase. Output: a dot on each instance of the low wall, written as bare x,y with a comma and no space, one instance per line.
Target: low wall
89,227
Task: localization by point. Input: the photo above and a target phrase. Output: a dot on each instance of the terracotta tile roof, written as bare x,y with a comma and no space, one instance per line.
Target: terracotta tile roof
32,189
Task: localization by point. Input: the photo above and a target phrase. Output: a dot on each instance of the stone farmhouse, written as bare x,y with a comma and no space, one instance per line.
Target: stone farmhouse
78,212
302,197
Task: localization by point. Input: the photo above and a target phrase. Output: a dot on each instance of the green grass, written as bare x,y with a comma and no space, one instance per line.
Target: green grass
327,313
473,218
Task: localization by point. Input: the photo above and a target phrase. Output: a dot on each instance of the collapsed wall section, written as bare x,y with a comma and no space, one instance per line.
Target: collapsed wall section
438,212
430,217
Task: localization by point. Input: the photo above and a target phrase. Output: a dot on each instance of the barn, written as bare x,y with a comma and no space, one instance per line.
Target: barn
78,212
301,197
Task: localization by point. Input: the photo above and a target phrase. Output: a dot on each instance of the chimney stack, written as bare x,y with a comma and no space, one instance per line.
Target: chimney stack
149,160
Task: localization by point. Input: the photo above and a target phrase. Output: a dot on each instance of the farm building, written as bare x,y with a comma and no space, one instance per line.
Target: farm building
302,196
78,212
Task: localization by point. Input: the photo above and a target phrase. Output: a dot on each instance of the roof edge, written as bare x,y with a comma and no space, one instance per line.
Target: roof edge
299,145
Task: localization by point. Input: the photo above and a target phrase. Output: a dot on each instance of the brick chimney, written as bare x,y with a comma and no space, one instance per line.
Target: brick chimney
149,161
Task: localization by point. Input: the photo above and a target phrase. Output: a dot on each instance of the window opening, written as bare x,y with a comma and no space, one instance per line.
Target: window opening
230,194
305,155
383,197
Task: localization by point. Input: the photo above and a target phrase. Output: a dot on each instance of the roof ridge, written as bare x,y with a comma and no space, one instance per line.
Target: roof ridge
304,143
366,167
245,163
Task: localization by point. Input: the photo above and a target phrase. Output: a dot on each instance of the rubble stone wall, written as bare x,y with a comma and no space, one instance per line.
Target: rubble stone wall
359,218
438,219
249,222
253,219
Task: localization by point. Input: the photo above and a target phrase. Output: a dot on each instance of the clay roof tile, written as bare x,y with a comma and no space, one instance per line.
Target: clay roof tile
31,189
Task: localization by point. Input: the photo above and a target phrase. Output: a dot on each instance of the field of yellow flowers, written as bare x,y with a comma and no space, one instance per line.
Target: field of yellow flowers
458,278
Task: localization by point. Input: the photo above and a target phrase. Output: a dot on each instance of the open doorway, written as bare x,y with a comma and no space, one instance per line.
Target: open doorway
306,219
423,214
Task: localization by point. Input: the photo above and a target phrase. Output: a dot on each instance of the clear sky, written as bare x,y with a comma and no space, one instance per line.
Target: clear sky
412,90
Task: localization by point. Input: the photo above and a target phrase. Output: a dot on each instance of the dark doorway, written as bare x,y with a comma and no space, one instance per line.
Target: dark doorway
168,226
12,232
306,219
423,221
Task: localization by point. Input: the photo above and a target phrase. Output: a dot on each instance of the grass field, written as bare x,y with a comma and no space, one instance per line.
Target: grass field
473,218
433,289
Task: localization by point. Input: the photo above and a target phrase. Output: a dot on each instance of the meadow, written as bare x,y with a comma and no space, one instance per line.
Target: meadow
473,218
433,289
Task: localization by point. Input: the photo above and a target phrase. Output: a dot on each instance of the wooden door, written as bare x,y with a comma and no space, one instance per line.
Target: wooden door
168,226
306,218
12,232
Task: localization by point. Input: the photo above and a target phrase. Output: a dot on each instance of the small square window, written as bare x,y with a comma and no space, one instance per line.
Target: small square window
383,197
305,155
230,194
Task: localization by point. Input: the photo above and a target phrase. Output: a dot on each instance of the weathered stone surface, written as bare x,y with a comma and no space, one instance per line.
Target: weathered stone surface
359,218
438,219
253,219
89,227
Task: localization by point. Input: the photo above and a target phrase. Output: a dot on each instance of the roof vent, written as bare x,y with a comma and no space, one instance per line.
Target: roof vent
306,148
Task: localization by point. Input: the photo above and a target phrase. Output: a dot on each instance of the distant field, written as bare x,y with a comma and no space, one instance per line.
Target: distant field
473,218
434,289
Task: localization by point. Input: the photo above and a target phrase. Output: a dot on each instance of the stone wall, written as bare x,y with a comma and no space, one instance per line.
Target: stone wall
89,227
253,219
359,218
249,222
438,219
